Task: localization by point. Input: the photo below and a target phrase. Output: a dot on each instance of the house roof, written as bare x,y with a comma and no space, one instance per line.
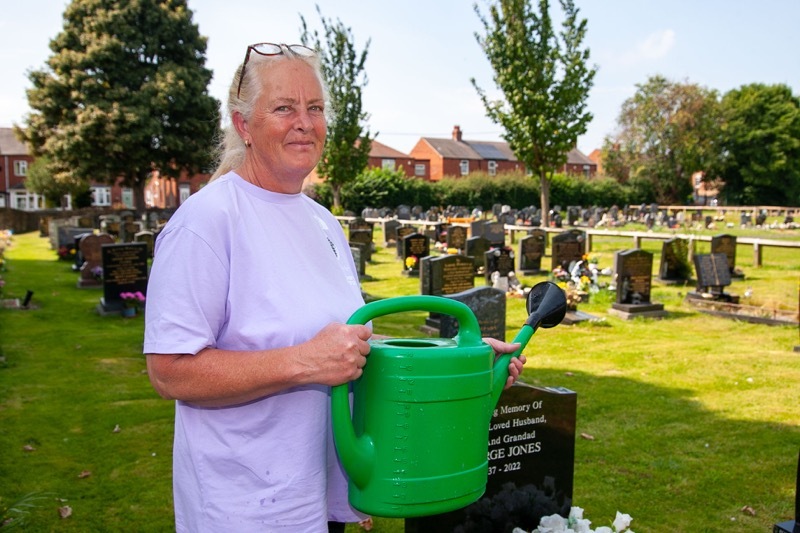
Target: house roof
576,157
10,145
385,152
464,149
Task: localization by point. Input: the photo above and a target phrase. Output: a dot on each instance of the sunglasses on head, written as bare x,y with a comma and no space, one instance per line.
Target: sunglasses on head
272,49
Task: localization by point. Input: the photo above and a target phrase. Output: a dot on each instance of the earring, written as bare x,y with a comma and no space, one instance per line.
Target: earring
247,143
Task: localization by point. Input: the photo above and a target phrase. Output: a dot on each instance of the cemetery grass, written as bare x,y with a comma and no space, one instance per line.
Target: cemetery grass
681,423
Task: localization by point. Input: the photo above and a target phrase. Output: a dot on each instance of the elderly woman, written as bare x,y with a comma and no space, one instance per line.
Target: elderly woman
250,287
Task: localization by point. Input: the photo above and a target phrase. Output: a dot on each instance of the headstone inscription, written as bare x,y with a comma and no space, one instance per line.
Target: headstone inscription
567,247
489,306
124,270
495,232
499,262
531,250
444,275
713,275
415,248
531,465
91,251
402,232
633,270
726,244
674,266
457,237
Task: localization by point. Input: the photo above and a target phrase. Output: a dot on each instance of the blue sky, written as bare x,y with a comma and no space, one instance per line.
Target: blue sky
423,53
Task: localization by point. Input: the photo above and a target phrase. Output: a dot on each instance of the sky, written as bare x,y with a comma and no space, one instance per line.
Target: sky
423,53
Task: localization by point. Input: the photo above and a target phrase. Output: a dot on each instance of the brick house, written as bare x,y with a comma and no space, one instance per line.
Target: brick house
163,192
14,163
458,157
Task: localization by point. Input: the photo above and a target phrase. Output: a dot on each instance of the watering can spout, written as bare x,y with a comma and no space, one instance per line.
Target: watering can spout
547,306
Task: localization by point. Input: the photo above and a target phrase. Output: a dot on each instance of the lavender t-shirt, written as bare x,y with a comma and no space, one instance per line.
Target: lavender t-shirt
241,268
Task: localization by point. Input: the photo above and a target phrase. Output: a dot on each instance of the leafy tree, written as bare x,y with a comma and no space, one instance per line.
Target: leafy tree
124,92
761,141
667,131
545,80
347,148
40,180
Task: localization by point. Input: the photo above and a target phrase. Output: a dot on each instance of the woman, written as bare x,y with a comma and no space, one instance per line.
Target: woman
250,287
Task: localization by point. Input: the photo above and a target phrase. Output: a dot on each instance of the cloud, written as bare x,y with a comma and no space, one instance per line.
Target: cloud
656,46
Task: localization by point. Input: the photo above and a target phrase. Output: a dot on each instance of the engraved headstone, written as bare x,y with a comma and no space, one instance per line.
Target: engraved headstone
530,465
494,232
91,251
531,250
402,232
726,244
124,270
675,267
390,231
489,306
567,247
633,271
457,237
362,236
499,262
447,274
713,275
415,247
147,237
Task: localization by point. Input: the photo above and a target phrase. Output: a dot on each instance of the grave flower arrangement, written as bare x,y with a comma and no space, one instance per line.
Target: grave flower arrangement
576,523
132,299
97,272
411,262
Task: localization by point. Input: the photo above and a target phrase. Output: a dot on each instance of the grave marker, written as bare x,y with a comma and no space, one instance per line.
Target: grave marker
633,271
567,247
674,266
531,250
124,270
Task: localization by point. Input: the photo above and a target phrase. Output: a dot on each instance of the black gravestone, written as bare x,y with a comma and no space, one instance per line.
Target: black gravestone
674,266
792,526
531,250
567,247
364,237
457,237
499,260
531,465
633,271
489,307
390,231
713,275
726,244
403,232
124,270
446,274
495,232
357,250
415,247
476,248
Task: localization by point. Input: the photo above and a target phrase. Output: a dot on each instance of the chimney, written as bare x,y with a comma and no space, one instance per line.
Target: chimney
457,133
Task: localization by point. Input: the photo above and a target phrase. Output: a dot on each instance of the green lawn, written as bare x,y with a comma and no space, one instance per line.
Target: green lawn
693,417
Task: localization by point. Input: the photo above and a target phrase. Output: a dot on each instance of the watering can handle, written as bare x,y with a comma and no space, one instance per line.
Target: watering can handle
357,453
469,331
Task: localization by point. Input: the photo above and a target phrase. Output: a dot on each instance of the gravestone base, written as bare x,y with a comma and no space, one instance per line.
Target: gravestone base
411,273
673,282
737,274
89,283
631,311
576,316
109,308
713,297
786,527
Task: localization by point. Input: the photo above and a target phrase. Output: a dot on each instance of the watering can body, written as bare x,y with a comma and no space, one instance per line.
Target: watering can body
417,441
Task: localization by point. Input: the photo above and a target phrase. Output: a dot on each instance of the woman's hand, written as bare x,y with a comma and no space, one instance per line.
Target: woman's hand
516,364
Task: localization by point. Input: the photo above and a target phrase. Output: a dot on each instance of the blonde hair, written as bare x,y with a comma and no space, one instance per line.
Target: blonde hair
230,147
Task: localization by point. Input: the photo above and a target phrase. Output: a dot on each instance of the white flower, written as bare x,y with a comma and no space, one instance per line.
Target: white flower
581,525
622,521
603,529
576,513
552,524
518,530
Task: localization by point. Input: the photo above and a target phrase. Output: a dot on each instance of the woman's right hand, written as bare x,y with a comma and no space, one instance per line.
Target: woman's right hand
337,354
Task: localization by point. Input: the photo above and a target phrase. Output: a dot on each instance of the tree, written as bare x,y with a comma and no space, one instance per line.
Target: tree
761,143
124,92
347,147
40,180
667,132
545,80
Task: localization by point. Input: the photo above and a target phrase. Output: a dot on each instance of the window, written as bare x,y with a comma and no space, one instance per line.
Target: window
464,165
492,165
20,168
586,169
184,190
101,196
127,197
387,164
419,170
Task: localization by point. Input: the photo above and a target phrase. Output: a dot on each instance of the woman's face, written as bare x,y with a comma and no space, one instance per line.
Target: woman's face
288,127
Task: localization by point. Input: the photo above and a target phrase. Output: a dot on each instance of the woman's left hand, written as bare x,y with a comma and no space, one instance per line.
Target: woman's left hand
515,365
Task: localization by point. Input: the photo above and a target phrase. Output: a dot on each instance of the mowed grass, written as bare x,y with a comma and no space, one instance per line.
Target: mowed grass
682,422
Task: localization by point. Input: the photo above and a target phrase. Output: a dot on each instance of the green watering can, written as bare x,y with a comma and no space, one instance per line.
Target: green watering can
417,440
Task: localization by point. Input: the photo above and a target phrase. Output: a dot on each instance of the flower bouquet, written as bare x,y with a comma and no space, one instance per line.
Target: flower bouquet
575,523
132,300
